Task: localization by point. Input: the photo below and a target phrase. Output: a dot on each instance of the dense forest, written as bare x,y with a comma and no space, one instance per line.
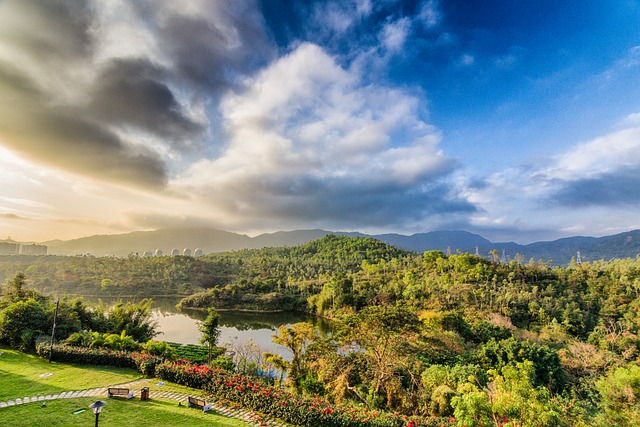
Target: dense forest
521,343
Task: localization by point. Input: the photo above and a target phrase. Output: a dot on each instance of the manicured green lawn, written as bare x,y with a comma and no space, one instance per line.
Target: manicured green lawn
20,376
117,413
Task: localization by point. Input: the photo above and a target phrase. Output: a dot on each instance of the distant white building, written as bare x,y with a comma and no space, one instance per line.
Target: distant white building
159,252
147,254
9,247
186,252
175,252
33,249
198,252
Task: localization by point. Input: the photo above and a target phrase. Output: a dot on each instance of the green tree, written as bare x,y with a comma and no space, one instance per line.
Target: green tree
210,331
514,398
509,400
620,391
133,318
121,342
20,322
67,320
385,336
277,363
15,290
546,362
296,338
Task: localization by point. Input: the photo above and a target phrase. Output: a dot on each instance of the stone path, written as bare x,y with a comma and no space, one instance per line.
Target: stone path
241,414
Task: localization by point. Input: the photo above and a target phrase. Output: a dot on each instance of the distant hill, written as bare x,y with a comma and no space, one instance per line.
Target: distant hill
623,245
562,251
138,242
287,238
438,240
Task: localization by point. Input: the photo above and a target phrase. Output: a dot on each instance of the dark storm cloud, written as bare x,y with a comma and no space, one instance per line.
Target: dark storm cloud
210,53
354,204
619,188
133,92
346,202
79,95
16,88
67,140
57,30
34,120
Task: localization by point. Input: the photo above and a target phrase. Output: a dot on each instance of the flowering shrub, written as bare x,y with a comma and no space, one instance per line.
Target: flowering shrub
146,363
308,412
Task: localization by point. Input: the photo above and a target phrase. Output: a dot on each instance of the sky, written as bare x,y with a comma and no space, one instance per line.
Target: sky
516,120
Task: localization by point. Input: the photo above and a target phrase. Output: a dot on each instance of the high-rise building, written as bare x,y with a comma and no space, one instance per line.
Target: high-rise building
9,247
33,249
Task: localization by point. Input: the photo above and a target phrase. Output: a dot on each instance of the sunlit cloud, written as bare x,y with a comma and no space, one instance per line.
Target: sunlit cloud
308,142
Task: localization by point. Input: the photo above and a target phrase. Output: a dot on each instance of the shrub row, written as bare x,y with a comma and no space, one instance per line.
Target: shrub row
306,412
144,363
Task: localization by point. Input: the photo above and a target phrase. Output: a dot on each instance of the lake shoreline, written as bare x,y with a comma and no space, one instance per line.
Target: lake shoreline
240,310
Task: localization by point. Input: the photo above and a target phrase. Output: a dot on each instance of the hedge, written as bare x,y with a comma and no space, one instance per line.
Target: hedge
142,362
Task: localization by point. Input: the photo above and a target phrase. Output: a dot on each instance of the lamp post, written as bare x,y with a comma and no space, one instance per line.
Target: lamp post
97,408
53,329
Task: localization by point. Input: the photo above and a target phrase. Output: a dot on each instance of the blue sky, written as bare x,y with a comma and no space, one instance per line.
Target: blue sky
515,120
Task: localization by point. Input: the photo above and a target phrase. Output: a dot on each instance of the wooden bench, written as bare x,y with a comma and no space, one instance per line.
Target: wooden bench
119,392
193,401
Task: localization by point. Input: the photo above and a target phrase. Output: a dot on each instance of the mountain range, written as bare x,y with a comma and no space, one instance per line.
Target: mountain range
558,252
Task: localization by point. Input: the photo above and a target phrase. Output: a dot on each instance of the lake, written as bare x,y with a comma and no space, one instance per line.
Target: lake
236,327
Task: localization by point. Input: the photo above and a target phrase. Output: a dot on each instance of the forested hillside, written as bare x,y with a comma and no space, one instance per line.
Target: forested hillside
557,252
261,270
484,342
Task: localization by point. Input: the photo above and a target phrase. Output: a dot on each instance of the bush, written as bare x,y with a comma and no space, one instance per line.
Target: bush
88,356
159,348
144,363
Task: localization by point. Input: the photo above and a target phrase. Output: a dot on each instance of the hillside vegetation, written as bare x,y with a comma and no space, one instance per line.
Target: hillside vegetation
521,343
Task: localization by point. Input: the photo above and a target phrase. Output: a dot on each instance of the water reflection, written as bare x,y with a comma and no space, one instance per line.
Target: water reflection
236,327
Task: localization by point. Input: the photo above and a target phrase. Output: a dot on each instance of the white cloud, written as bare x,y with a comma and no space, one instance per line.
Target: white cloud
605,154
467,59
572,192
632,119
429,14
122,33
339,16
305,130
394,34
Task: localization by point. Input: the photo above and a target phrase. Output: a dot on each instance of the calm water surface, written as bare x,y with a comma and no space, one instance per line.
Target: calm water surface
236,327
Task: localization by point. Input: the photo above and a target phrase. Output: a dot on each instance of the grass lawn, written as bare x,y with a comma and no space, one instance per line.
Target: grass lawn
20,376
118,413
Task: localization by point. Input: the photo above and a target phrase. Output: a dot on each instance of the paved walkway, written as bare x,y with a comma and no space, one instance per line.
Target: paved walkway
241,414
